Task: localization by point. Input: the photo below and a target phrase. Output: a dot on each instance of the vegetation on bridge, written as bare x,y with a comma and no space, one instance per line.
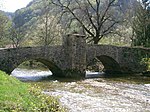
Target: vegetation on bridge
21,97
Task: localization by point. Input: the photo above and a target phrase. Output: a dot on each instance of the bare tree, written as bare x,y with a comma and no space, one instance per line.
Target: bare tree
16,36
96,17
3,25
49,30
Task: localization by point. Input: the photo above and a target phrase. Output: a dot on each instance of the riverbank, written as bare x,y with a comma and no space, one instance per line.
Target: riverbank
18,96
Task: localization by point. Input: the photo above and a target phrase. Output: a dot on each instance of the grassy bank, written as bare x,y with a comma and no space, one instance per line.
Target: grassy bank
21,97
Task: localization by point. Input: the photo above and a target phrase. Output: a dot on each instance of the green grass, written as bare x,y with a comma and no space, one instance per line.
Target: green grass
17,96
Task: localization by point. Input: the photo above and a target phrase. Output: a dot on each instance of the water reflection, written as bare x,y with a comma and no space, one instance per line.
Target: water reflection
37,75
30,75
90,74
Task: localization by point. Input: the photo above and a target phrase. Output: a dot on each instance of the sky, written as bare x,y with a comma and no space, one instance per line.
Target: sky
13,5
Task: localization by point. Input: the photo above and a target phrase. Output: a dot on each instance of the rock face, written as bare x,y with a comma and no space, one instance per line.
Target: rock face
72,58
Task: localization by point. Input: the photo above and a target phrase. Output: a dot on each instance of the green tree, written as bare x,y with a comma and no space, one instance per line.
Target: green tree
141,26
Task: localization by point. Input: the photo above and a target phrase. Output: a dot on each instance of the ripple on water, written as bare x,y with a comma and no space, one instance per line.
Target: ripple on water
98,95
115,97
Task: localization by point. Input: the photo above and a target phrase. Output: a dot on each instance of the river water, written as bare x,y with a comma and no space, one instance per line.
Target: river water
124,94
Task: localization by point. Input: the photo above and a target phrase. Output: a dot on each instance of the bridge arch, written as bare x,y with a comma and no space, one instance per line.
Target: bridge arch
56,71
111,66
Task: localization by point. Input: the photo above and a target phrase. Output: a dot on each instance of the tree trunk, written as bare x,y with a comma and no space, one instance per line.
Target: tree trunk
96,39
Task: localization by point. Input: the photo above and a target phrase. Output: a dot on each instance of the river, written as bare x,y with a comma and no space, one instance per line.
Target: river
123,94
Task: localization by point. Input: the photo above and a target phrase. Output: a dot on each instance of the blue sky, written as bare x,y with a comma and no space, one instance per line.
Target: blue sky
13,5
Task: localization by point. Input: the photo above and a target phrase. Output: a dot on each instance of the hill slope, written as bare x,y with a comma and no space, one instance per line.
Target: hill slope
27,20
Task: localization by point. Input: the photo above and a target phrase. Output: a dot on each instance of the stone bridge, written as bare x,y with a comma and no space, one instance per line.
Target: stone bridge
72,58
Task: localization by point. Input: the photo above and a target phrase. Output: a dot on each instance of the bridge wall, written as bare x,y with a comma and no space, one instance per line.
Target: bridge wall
108,55
74,46
74,55
123,59
131,59
52,57
66,60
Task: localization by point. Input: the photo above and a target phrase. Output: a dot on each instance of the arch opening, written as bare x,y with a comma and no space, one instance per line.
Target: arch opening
102,66
35,69
111,66
95,65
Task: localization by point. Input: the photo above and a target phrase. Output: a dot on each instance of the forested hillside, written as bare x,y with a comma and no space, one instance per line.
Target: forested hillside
29,25
43,22
28,16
